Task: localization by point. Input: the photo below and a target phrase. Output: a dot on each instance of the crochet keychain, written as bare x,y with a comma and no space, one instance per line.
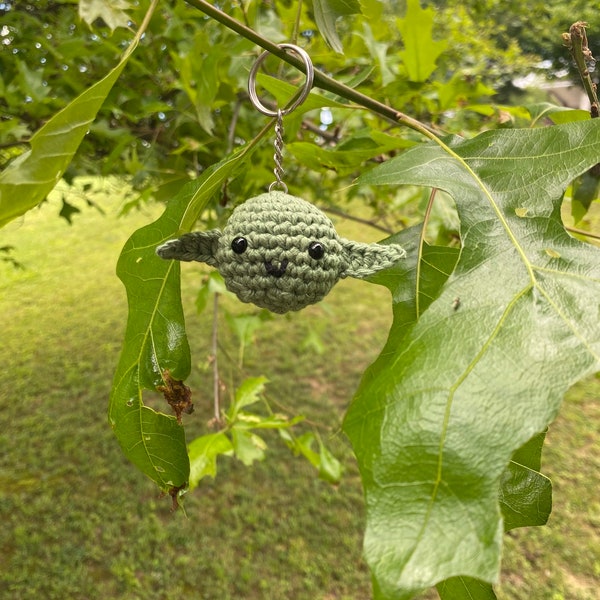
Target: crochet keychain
278,251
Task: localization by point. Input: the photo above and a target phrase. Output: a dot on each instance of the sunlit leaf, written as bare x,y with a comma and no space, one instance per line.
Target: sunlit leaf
330,468
246,394
203,453
557,114
112,12
465,588
248,446
421,51
30,177
155,338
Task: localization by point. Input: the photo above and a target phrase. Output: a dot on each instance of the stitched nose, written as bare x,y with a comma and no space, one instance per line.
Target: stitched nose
276,271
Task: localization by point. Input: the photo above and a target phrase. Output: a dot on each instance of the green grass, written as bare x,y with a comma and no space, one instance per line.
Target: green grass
79,522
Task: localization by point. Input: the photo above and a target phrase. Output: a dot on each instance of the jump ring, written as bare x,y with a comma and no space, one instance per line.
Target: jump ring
310,75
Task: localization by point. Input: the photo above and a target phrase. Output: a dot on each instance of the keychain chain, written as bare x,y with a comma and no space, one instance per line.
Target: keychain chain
280,113
278,156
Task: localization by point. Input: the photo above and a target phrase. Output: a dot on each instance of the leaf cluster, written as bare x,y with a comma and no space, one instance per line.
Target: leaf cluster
185,101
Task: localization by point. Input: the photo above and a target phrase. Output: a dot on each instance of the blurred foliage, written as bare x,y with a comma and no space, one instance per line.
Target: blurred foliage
181,103
516,29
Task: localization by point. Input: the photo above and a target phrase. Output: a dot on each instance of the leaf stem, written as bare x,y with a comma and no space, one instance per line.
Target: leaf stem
296,30
589,234
141,29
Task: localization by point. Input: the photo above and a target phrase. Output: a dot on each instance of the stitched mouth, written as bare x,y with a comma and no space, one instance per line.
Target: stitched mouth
274,270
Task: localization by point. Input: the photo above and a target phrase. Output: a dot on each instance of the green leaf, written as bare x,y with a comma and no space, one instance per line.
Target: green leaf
248,446
525,494
214,284
155,338
437,418
67,211
530,454
30,177
465,588
348,156
585,190
327,12
112,12
247,393
303,445
313,341
557,114
272,422
416,281
203,453
421,51
244,327
199,79
32,81
525,497
330,468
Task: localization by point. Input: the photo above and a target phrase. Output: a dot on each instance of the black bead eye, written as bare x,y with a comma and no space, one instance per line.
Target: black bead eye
239,245
316,250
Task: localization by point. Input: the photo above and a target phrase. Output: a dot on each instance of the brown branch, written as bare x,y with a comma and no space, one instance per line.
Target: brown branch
576,42
595,236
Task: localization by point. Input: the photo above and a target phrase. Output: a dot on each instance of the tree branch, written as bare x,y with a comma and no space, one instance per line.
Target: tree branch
576,42
321,80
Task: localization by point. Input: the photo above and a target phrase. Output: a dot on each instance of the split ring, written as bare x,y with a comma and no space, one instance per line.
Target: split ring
310,75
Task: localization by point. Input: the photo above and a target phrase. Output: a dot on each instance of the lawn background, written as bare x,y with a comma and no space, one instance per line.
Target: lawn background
80,522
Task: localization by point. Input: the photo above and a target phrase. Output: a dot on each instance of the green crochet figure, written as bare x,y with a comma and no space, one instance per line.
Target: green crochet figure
280,252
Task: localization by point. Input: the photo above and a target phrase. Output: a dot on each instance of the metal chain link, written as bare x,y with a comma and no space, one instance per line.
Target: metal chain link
278,156
279,113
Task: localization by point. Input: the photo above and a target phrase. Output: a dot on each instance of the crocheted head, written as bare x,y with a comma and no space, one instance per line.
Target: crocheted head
280,252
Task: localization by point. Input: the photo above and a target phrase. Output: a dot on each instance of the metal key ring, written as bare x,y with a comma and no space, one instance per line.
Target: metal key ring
310,75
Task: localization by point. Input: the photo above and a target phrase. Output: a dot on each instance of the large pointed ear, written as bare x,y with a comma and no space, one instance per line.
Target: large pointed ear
200,246
365,259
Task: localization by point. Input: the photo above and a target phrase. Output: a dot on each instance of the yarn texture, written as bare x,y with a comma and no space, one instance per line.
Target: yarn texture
280,252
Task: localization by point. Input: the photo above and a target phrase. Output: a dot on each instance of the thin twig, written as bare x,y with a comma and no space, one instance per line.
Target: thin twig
215,362
345,215
332,138
234,119
296,30
595,236
244,12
